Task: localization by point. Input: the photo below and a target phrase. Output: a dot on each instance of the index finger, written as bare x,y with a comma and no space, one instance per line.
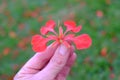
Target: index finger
39,60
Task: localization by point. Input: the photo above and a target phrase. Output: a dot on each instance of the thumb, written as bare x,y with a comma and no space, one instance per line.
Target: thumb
56,63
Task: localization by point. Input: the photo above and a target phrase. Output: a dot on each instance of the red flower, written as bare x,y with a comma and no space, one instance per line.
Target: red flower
39,43
71,26
99,13
48,27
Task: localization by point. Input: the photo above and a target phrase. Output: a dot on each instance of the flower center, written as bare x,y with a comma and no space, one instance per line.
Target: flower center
60,41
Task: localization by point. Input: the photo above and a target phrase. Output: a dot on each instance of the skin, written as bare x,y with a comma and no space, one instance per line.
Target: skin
52,64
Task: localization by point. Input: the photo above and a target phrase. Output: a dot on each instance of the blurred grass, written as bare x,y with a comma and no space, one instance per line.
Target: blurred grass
20,19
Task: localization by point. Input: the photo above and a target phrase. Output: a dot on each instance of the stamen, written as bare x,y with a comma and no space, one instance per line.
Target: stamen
47,35
58,23
60,32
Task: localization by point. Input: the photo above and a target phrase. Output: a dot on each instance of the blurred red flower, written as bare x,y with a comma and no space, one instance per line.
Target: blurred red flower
39,43
6,51
112,75
99,13
104,52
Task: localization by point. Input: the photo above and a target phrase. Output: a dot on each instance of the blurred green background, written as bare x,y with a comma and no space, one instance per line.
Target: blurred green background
21,19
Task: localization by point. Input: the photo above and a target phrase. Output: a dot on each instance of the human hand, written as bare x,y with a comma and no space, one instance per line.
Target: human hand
52,64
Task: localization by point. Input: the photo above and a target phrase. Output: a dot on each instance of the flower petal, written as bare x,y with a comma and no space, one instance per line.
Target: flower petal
77,29
51,37
69,37
49,27
70,25
38,43
50,24
36,38
83,41
66,44
39,47
43,30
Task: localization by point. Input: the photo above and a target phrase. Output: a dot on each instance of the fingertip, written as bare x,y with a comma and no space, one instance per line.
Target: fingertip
60,57
74,56
71,60
66,69
58,61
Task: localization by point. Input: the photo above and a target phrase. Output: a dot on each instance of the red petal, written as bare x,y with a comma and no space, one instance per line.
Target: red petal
66,44
77,29
70,24
83,41
43,30
69,37
38,43
50,24
48,27
52,37
40,47
35,38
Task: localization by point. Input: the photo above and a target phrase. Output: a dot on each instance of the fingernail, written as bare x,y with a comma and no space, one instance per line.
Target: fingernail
63,49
